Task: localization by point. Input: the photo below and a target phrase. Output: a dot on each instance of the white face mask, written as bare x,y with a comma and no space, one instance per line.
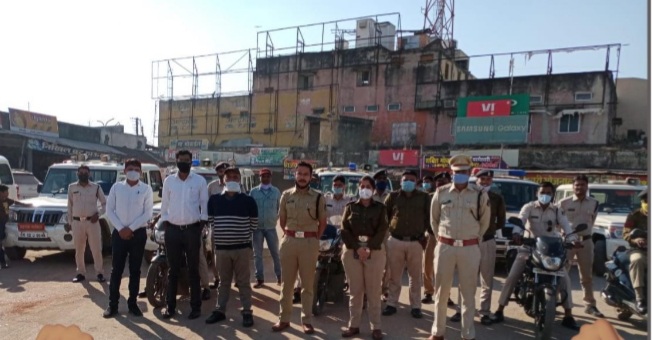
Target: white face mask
232,186
366,193
133,175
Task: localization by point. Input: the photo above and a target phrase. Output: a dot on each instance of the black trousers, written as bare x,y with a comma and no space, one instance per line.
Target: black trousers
177,243
134,249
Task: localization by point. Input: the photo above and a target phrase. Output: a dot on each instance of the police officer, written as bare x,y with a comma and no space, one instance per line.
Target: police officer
407,213
581,208
380,195
84,216
428,184
487,247
338,199
638,219
302,216
543,219
217,186
460,214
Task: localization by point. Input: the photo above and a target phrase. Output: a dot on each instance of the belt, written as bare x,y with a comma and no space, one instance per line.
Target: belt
183,227
81,219
486,238
406,238
457,243
300,234
586,237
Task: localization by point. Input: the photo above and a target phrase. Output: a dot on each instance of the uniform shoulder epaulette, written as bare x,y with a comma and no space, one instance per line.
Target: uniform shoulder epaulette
445,187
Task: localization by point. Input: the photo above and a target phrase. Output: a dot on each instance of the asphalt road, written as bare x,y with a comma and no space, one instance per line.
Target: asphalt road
38,290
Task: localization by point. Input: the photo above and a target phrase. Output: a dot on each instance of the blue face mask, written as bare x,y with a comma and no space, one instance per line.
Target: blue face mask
460,178
338,191
427,186
408,186
381,185
544,199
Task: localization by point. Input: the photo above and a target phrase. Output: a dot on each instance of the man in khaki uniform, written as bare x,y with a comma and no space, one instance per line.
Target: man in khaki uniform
460,214
302,216
440,179
638,219
581,208
407,213
83,217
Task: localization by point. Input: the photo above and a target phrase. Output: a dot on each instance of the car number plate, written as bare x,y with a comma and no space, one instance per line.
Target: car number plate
545,272
31,226
33,234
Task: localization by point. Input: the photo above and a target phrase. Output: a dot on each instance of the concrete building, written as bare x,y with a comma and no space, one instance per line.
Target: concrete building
633,118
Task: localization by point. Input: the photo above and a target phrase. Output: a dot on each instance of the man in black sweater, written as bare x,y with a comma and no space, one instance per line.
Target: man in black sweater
233,216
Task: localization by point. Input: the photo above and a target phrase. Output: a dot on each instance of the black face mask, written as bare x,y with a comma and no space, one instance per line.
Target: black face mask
83,178
184,167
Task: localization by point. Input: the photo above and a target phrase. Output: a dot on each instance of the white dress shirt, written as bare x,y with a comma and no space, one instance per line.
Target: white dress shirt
129,206
184,202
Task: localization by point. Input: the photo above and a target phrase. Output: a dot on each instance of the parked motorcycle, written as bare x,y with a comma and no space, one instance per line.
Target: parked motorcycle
618,291
538,288
330,280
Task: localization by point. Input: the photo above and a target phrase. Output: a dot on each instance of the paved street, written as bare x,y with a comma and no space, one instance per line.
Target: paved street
37,291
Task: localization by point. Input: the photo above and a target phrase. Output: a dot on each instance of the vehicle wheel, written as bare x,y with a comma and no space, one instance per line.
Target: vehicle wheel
319,298
599,257
15,253
156,284
546,318
624,315
148,256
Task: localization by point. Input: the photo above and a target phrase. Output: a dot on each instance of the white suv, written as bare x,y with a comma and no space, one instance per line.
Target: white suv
616,202
41,226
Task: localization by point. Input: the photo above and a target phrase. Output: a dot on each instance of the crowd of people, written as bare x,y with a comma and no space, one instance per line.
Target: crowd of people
435,228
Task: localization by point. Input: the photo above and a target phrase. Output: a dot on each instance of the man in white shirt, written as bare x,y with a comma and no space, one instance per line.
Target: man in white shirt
128,207
184,214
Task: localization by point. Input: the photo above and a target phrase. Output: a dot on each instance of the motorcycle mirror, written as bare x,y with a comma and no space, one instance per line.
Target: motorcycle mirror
516,221
581,227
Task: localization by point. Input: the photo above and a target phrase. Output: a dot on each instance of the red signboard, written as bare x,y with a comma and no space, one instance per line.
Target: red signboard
489,108
398,158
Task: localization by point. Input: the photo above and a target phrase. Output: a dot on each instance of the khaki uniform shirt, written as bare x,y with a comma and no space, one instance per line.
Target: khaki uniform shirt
82,201
635,220
380,198
456,215
336,207
408,216
544,222
300,210
580,211
215,187
368,221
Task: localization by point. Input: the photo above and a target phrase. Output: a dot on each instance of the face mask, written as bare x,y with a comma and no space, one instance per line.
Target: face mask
365,193
486,188
82,178
184,167
460,178
544,199
265,186
408,186
133,175
427,186
338,191
381,185
232,186
644,207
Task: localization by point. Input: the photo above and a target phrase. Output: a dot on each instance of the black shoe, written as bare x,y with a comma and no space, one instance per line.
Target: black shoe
451,303
594,311
259,284
427,299
247,319
216,316
416,313
297,297
389,310
79,278
194,314
206,294
169,313
110,312
456,317
278,280
100,278
641,307
134,310
486,320
569,322
498,317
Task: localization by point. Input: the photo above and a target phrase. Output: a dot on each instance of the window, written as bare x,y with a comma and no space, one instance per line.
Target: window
536,99
26,179
364,78
569,123
349,109
459,75
449,103
156,182
372,108
5,175
318,110
225,114
583,96
58,180
305,81
394,107
244,114
446,71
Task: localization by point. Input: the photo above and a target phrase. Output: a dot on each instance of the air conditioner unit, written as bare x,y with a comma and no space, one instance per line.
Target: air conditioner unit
449,103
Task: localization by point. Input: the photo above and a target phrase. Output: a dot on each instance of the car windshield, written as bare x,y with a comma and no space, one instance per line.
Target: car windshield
5,175
616,201
516,194
326,184
57,180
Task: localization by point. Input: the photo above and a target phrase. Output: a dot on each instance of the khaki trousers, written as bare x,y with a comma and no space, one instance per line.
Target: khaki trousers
298,256
236,264
487,268
386,273
428,265
83,231
203,268
467,262
585,263
364,278
637,268
401,254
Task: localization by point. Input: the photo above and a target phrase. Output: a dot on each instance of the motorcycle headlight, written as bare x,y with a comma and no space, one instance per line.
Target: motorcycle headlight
64,218
159,236
551,263
324,245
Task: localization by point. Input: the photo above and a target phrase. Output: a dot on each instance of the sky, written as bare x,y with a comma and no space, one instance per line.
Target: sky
87,62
